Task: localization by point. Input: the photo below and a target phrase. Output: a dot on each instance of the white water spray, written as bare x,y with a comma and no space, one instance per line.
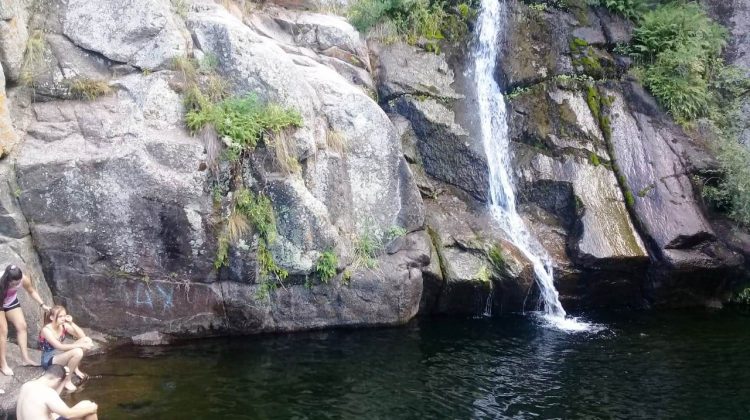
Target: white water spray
492,116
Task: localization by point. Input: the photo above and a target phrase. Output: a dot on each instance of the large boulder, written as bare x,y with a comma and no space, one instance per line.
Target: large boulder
387,294
142,33
473,281
656,159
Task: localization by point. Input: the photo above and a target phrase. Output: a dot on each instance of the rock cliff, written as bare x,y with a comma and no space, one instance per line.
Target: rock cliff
117,209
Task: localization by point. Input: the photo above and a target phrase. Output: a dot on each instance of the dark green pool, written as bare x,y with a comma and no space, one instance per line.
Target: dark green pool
646,365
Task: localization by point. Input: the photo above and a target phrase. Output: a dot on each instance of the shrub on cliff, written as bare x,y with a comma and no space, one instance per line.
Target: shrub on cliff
413,21
246,121
678,50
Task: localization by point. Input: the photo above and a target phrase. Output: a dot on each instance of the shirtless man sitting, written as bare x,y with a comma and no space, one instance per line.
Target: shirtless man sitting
40,399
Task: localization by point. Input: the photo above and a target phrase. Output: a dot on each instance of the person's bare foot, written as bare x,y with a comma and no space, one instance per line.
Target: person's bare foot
81,375
70,387
7,371
29,362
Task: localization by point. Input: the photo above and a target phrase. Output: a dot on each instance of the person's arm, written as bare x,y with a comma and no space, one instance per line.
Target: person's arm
82,409
31,290
49,335
74,329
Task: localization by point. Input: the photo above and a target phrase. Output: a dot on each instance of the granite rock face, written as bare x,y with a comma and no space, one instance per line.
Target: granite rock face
120,197
141,33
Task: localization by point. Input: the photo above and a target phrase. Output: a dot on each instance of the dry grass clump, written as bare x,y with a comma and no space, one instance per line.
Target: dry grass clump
336,142
89,89
33,58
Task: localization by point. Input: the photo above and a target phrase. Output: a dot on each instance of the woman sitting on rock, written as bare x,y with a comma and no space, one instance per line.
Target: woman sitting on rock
51,339
10,281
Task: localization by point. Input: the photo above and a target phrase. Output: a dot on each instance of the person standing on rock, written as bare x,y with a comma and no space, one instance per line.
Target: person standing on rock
51,339
10,281
40,399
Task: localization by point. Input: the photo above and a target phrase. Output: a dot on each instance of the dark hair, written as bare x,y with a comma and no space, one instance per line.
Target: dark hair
11,273
55,371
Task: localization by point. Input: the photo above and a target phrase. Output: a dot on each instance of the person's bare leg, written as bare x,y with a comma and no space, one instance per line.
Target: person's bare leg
15,316
71,359
3,345
91,417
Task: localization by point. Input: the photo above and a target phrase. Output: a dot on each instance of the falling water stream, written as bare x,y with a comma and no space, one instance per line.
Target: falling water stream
494,130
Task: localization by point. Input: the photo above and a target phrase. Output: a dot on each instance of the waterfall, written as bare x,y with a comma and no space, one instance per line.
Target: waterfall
494,125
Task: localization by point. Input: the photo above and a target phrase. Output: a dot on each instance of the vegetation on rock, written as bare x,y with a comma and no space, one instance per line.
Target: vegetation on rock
326,266
241,124
89,89
415,21
245,120
33,58
678,51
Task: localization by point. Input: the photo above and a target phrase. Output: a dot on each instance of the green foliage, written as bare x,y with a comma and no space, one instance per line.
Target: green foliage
267,265
678,48
393,233
592,99
428,21
538,7
631,9
346,278
326,266
88,89
246,121
259,212
731,192
222,253
366,248
629,199
743,297
594,159
674,26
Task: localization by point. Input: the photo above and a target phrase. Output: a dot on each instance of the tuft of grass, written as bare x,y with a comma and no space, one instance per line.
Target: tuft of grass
284,145
393,233
216,88
237,226
186,66
89,89
326,266
33,58
366,248
742,297
336,142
